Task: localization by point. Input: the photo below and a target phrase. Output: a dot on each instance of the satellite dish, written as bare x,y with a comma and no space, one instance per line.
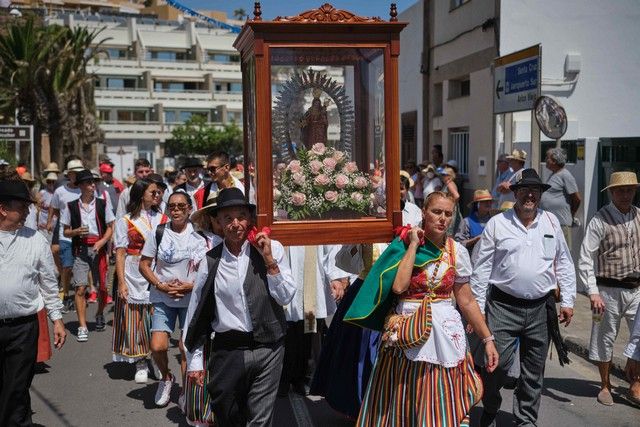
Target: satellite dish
551,117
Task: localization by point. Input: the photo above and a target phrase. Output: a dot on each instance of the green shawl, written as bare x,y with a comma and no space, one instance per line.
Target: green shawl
375,299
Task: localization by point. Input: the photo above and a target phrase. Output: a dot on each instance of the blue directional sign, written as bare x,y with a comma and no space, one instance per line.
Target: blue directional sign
517,81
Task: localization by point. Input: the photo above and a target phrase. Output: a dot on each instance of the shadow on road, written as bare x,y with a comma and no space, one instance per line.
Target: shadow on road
120,370
571,386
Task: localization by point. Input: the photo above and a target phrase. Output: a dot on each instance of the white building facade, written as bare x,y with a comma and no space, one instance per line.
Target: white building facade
157,75
589,58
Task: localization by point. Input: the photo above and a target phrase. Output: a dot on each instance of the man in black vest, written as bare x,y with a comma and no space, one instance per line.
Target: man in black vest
239,293
88,221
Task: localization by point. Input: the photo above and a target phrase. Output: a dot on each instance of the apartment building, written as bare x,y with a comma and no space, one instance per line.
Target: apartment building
158,73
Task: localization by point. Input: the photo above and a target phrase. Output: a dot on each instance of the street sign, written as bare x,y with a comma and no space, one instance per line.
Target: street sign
516,79
15,133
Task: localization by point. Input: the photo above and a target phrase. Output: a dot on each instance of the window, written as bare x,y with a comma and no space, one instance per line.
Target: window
459,87
234,116
167,55
169,116
121,83
459,149
115,53
186,115
104,115
132,115
235,87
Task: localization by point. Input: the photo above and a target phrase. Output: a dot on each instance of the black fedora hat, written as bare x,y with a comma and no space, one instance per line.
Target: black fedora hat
85,175
192,162
231,197
15,190
529,178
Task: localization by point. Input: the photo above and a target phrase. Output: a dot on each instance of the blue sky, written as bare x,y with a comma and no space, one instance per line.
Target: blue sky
273,8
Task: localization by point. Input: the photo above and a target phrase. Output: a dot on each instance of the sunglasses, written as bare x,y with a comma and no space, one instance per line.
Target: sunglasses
213,169
178,206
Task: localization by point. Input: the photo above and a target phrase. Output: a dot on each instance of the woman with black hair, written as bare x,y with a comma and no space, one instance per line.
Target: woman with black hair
132,317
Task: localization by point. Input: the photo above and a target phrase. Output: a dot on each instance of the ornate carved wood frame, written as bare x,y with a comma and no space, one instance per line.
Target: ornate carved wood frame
325,27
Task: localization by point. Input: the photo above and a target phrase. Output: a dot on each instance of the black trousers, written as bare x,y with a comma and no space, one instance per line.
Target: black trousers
18,352
243,383
297,351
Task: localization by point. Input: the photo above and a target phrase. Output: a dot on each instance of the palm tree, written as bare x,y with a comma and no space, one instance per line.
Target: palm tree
239,13
44,79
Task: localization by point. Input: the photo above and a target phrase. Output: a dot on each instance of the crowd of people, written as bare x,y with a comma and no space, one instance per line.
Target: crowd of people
411,332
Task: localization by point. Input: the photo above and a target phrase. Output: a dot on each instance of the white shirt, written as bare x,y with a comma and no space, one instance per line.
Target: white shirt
326,272
178,257
412,214
28,275
88,216
593,235
232,310
61,197
632,351
45,201
523,262
32,217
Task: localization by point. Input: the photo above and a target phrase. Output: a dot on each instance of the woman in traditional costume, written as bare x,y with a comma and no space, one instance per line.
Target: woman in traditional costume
132,316
423,374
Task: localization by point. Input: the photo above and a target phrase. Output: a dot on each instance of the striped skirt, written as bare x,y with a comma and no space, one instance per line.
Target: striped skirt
402,392
131,331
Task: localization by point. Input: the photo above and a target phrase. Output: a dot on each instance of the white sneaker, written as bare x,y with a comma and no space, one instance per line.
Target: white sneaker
142,372
83,334
163,394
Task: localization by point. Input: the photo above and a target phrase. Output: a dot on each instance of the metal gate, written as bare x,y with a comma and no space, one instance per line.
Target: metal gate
614,155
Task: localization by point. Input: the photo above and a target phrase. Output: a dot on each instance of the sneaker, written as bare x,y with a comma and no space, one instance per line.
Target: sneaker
70,304
65,306
142,373
83,334
109,299
93,297
100,323
163,394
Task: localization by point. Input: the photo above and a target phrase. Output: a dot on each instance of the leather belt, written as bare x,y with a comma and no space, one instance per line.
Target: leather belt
498,295
627,282
11,321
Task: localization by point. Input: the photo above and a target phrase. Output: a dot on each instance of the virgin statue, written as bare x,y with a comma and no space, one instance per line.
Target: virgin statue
314,122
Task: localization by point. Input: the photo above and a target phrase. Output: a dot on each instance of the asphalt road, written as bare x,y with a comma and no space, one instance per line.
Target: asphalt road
81,386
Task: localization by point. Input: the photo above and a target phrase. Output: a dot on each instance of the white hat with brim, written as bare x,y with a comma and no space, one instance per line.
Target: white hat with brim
406,175
74,166
51,176
622,179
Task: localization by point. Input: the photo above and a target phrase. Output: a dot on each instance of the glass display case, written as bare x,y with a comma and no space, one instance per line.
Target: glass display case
321,125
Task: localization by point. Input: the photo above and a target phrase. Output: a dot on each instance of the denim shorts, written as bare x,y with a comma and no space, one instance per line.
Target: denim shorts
66,254
164,317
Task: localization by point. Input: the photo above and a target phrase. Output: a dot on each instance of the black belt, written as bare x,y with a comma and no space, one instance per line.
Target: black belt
11,321
237,340
503,297
627,282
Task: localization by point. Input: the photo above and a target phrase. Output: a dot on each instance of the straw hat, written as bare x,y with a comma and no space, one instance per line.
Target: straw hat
74,166
481,196
406,175
51,176
516,154
52,167
446,171
505,206
621,179
429,168
27,177
131,179
207,208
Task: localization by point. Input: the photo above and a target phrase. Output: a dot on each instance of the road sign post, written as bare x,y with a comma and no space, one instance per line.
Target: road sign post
18,134
517,80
